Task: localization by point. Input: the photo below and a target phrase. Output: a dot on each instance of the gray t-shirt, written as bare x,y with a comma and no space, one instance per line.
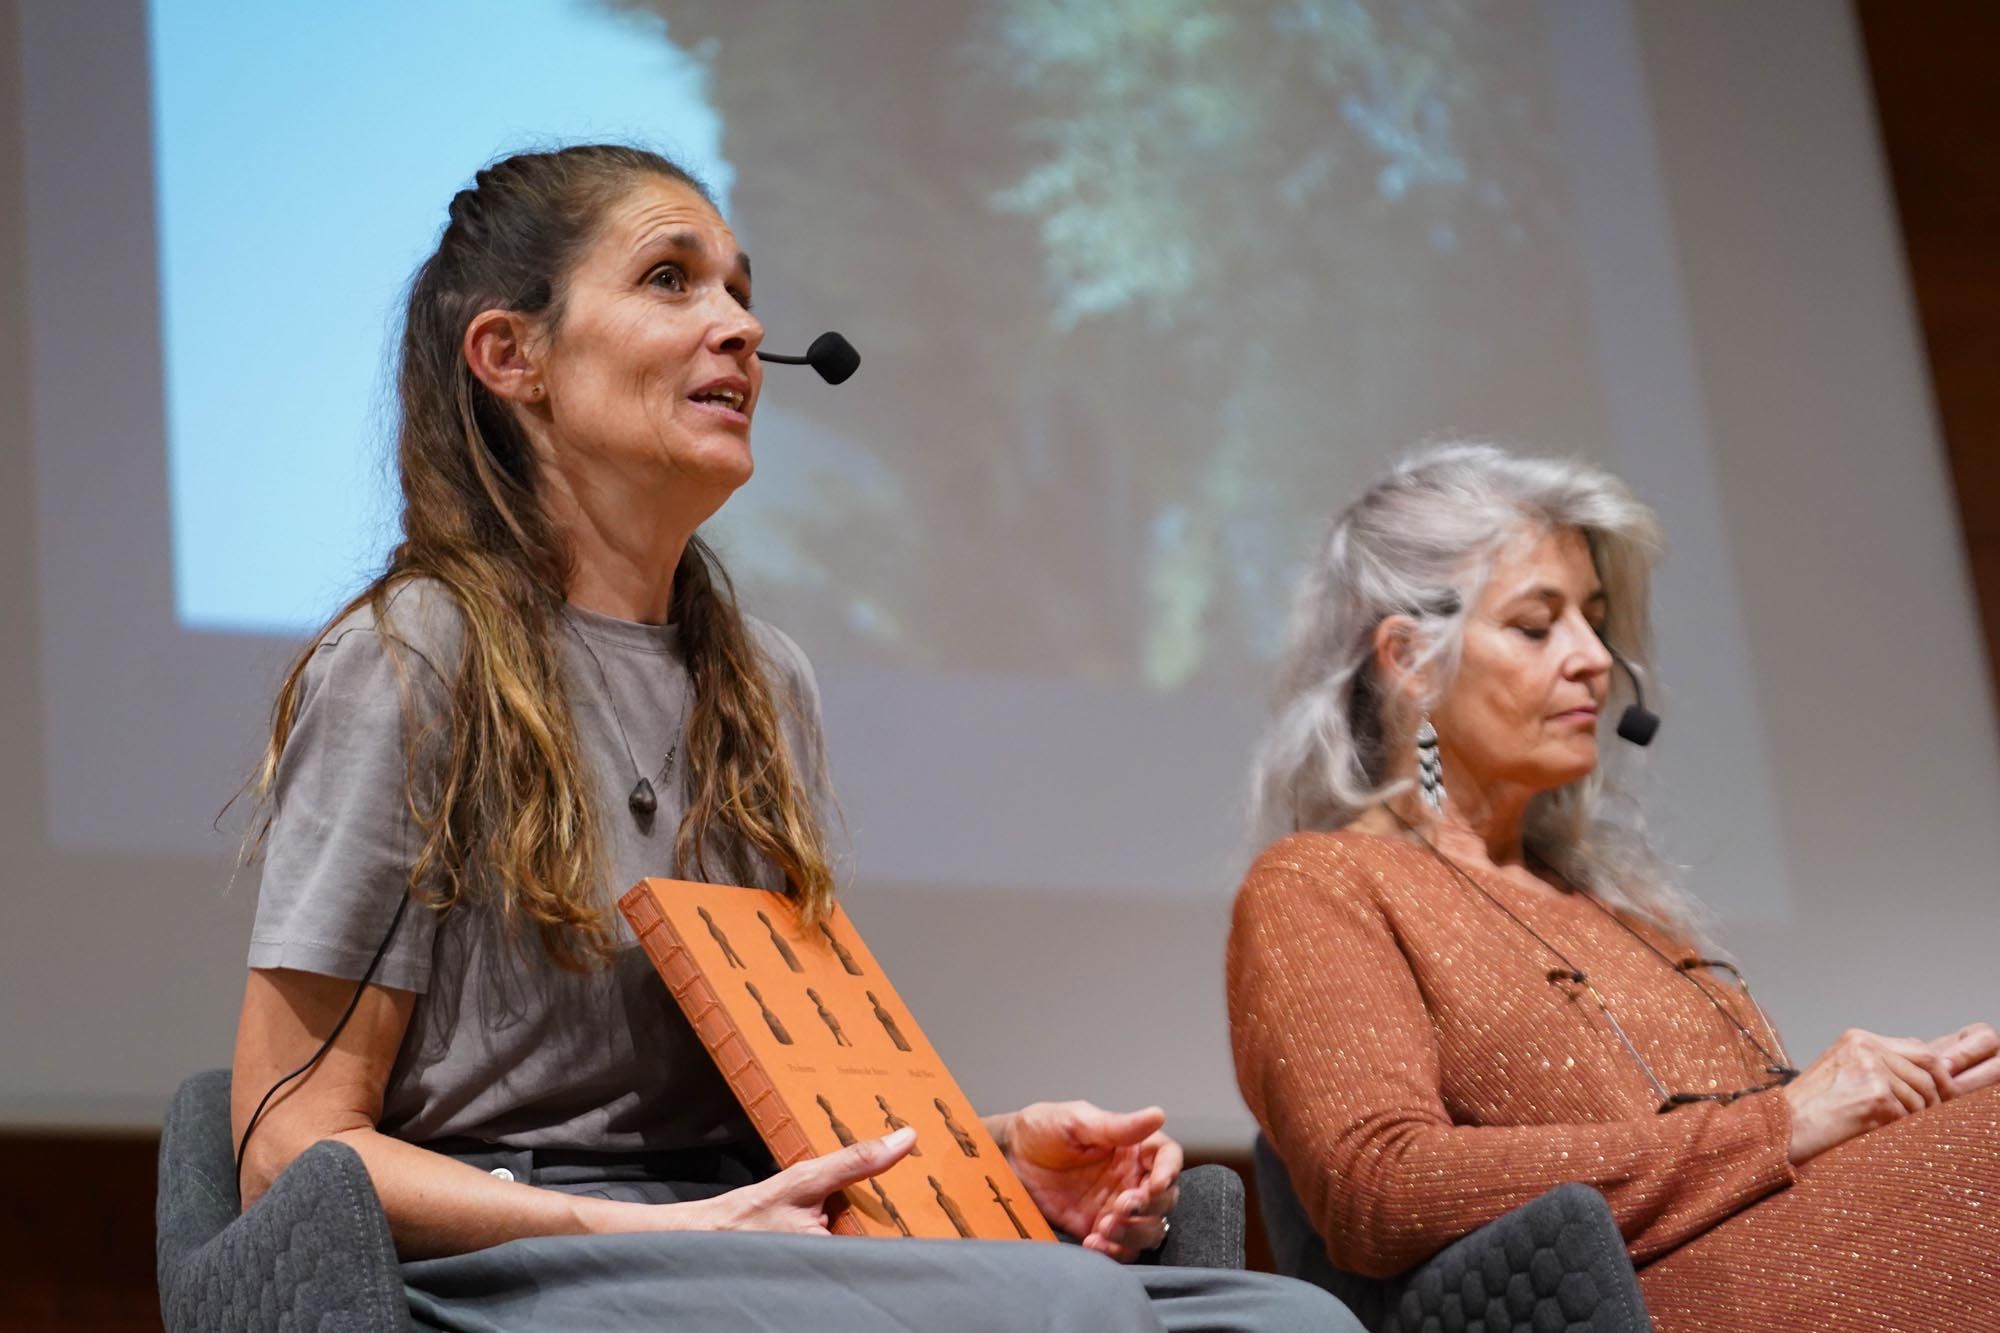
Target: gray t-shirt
503,1046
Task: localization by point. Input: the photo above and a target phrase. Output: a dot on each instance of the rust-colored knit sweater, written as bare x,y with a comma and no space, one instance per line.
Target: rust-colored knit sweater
1398,1041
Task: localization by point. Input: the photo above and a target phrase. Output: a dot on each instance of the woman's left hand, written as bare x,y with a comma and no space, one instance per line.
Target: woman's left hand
1105,1176
1973,1056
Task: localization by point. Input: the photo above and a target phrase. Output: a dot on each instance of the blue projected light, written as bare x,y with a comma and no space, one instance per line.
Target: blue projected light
304,157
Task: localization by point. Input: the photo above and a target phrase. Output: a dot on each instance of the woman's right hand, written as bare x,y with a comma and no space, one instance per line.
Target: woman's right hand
1861,1081
792,1200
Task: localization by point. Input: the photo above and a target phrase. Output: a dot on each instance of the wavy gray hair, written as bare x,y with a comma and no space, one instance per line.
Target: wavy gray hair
1421,543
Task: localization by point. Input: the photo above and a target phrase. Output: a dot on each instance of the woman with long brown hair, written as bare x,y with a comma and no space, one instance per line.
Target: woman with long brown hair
548,694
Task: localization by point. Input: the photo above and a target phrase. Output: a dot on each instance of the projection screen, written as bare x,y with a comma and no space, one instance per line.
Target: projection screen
1144,291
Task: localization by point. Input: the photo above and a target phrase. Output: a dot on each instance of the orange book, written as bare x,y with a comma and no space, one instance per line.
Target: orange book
818,1047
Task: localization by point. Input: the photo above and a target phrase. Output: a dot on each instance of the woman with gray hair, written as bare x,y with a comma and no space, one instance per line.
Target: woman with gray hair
1459,975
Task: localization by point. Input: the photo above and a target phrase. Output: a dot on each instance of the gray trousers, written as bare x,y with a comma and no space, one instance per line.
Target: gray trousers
706,1280
712,1280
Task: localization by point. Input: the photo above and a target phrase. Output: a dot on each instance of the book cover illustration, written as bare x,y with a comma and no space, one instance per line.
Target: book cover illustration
821,1051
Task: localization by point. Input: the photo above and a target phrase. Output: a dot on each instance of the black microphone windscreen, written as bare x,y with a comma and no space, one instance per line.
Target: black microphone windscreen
1638,724
833,357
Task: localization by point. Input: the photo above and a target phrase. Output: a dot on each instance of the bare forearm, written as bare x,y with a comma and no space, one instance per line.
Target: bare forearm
438,1206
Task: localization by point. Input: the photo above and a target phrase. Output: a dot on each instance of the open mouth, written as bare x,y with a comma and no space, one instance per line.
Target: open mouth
733,399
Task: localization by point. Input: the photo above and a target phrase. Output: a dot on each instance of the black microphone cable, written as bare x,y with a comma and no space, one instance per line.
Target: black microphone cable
353,1002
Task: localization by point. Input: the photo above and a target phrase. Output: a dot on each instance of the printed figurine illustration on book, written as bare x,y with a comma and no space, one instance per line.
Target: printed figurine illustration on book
805,1078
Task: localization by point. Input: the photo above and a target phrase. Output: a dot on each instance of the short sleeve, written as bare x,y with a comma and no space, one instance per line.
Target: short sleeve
342,839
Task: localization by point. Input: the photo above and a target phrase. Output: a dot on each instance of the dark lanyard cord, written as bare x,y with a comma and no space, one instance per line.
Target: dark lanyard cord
1570,971
1686,969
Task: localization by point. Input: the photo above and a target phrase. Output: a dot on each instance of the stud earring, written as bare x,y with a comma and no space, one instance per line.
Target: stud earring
1430,768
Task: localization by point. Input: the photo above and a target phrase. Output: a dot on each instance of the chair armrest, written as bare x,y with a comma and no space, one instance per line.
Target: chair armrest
1206,1228
1556,1262
313,1253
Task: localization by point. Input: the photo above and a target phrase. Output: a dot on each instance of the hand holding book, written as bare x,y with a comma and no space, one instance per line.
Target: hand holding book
819,1048
794,1200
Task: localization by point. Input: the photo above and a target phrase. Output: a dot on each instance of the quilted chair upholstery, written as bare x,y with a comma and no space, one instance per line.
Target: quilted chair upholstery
1554,1265
1207,1230
313,1254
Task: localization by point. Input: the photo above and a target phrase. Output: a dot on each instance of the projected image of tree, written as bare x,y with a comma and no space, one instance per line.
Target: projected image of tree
1169,278
1279,197
1144,288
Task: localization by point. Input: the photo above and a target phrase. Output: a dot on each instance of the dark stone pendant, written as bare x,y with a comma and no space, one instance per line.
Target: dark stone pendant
642,800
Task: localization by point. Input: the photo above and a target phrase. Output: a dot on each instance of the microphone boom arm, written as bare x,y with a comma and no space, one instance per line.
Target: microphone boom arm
830,354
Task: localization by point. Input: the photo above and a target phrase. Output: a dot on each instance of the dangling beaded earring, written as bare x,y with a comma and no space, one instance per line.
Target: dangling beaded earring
1430,768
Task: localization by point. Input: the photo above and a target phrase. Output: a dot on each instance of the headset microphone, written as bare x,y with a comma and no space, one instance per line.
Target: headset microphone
1638,723
830,354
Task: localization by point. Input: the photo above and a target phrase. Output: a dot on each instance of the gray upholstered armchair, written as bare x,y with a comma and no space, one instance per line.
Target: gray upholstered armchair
1555,1263
315,1252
